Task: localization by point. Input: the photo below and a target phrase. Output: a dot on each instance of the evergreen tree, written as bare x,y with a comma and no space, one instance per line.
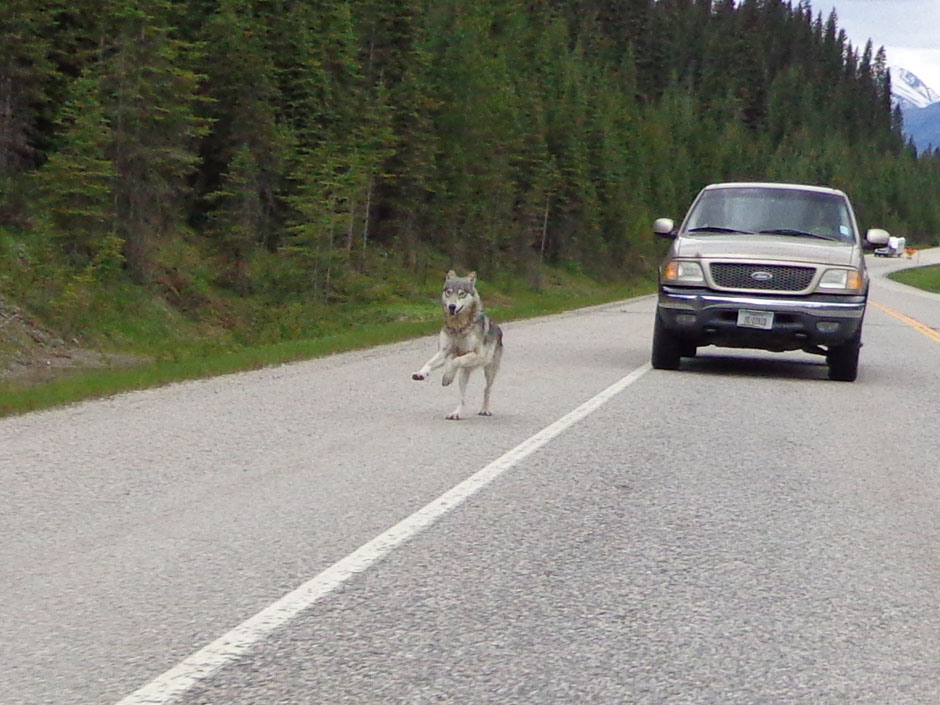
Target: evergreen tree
153,91
24,70
321,87
246,144
400,141
76,186
478,134
239,215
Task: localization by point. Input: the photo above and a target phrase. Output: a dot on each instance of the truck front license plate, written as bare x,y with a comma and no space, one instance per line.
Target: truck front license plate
755,319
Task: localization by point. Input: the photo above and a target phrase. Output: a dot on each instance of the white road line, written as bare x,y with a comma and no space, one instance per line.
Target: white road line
228,648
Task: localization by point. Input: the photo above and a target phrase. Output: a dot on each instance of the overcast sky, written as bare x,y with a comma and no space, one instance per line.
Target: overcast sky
909,30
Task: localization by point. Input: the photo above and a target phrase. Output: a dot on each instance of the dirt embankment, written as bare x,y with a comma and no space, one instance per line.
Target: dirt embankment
30,353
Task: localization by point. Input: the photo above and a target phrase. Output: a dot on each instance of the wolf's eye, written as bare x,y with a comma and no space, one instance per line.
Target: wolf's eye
448,292
462,293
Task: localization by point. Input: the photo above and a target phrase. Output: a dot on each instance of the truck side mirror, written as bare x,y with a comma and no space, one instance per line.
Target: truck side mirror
664,227
876,237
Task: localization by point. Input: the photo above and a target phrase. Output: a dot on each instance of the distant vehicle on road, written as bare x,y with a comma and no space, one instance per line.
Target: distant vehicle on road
895,247
765,266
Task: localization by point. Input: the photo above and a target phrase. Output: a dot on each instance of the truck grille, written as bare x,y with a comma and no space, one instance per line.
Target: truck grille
782,278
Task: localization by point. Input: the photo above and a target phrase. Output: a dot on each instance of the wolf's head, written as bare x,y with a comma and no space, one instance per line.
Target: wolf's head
460,294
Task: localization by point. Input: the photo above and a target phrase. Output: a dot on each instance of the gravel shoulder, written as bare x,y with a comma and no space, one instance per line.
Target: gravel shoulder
32,354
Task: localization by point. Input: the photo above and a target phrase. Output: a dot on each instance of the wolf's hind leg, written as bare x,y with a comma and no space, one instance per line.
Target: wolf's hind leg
490,372
462,376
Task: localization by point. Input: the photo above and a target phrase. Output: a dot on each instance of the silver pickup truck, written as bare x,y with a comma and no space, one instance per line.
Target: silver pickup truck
765,266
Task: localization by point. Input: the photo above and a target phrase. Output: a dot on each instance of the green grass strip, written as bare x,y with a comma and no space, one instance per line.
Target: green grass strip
927,278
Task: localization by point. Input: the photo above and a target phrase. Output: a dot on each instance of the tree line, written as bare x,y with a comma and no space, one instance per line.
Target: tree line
285,144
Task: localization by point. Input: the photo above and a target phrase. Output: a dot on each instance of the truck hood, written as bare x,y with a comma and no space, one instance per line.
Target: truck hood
768,248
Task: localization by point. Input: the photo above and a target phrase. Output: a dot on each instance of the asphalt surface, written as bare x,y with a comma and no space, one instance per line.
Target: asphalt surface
740,531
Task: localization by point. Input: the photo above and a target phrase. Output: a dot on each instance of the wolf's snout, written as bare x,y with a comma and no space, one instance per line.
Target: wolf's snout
452,308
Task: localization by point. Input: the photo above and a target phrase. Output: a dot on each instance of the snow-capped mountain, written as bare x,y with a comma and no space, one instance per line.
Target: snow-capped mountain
920,107
909,91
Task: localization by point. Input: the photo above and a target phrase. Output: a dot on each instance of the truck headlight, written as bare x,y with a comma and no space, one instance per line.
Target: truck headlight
679,271
841,279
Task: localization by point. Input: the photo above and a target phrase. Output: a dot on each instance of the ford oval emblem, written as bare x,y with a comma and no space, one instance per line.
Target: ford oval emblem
762,276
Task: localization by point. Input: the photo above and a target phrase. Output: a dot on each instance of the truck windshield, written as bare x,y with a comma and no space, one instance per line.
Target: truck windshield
772,211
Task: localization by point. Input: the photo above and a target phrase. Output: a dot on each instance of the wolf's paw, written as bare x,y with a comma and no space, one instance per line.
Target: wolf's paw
486,412
453,417
448,377
418,376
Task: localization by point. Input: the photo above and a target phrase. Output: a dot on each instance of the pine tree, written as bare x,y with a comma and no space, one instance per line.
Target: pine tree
153,92
239,215
24,70
478,134
397,59
247,144
321,87
76,186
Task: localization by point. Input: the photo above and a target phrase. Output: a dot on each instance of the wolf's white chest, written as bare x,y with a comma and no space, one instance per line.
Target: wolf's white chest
462,344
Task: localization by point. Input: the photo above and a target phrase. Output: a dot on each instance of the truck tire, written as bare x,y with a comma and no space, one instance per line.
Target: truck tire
667,351
843,359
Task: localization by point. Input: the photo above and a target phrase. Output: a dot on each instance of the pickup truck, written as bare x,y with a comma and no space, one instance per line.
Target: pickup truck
767,266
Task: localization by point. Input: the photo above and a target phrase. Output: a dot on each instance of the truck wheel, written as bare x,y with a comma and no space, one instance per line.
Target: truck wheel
843,359
666,347
688,348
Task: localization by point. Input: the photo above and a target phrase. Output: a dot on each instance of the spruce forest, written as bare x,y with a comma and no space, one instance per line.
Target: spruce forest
241,161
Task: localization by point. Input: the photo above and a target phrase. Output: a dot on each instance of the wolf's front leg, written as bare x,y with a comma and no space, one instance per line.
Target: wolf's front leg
431,364
450,369
462,362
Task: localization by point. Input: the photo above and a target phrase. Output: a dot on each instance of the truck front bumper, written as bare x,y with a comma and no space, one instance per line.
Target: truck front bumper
705,317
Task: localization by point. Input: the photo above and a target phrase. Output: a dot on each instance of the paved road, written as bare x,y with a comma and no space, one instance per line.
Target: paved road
740,531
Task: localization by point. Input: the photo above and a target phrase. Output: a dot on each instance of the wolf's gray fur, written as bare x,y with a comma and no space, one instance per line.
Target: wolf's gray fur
468,339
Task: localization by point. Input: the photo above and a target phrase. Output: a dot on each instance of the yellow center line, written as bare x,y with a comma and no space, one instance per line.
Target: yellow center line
917,325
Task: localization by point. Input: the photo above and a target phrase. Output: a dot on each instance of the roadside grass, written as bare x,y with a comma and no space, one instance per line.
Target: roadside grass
927,278
337,329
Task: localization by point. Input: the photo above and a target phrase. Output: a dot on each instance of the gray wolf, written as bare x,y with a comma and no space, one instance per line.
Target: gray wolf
468,340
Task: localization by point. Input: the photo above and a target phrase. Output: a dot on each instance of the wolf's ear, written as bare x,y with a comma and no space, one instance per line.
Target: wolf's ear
451,275
472,277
